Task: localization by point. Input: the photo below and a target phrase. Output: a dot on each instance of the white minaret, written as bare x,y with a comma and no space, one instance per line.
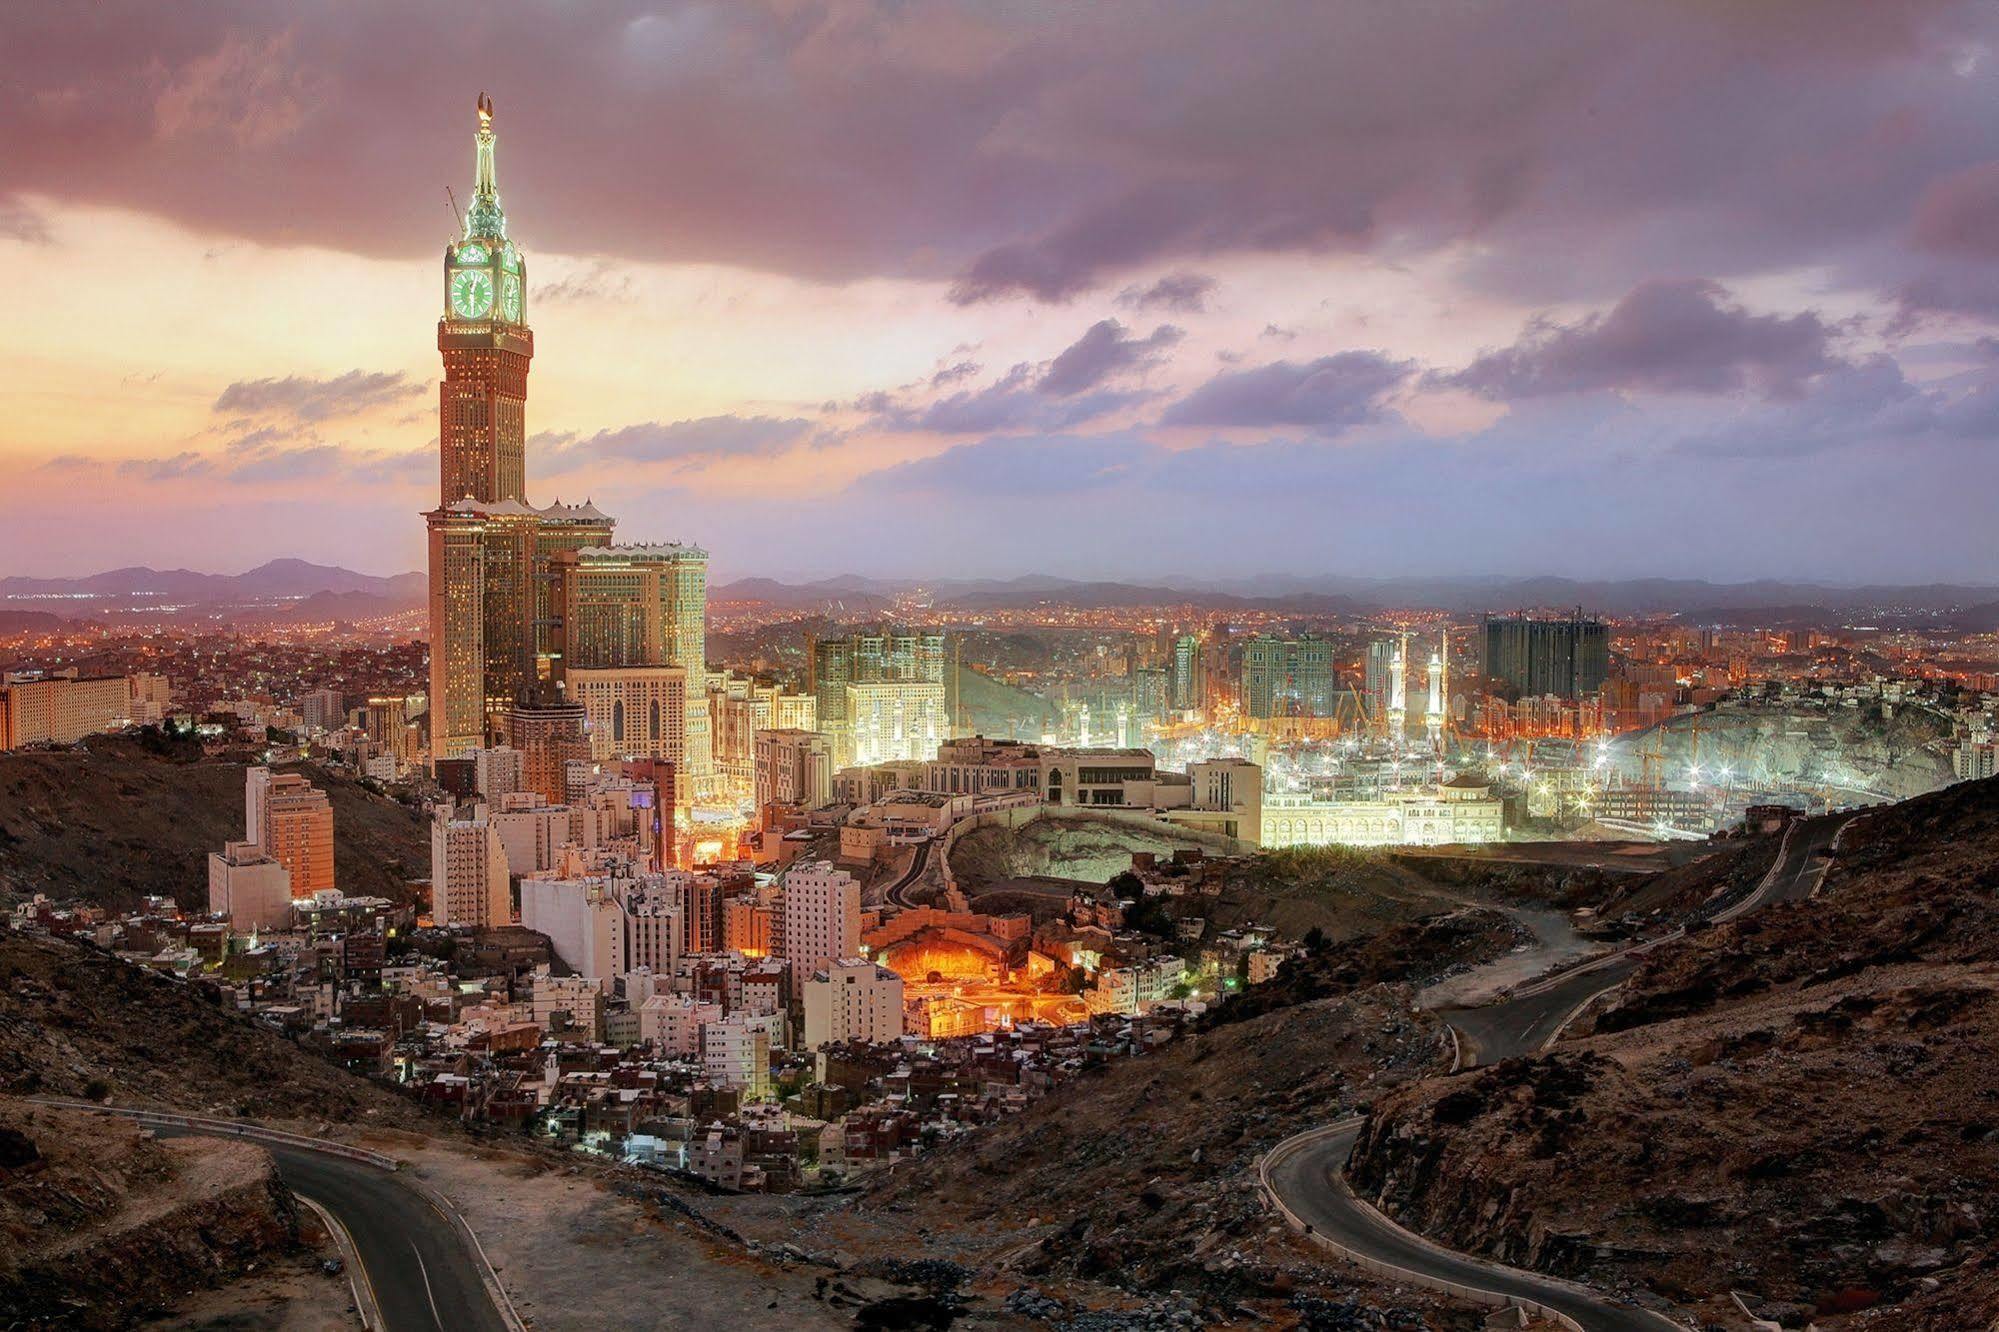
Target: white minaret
1433,716
1398,698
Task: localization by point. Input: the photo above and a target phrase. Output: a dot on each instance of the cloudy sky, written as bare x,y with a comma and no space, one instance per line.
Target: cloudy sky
1687,287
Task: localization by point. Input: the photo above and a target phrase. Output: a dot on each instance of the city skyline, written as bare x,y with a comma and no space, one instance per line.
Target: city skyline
1039,297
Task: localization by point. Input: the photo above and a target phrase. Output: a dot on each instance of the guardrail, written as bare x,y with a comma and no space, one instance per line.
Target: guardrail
232,1128
1473,1294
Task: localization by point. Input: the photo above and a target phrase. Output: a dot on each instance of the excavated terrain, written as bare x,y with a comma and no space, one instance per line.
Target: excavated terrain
1799,1105
101,1224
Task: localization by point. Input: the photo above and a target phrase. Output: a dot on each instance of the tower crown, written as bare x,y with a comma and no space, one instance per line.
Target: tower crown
486,218
485,278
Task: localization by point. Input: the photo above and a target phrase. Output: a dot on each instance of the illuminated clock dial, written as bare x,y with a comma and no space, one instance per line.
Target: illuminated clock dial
471,293
473,253
510,297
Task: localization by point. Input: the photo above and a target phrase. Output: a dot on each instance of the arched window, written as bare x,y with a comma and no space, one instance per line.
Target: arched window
654,735
617,721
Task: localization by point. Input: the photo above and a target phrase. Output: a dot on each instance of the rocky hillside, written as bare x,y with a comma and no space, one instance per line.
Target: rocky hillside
1066,846
77,1022
1798,1105
1896,755
1142,1177
117,818
101,1225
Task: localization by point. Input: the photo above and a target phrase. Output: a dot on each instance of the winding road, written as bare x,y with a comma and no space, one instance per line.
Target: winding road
1306,1177
420,1268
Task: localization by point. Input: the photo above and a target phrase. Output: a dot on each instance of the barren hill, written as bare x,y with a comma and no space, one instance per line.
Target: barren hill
1799,1104
118,818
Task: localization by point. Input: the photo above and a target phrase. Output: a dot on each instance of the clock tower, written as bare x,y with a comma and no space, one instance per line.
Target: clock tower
486,343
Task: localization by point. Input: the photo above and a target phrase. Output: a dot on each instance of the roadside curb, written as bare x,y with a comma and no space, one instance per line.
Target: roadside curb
1473,1294
350,1254
229,1128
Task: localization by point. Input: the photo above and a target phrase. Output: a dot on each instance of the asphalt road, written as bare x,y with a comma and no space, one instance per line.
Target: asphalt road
1310,1182
893,894
1308,1172
424,1277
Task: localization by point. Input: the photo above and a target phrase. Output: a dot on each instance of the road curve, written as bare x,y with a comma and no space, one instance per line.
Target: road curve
1306,1173
893,894
423,1274
1309,1179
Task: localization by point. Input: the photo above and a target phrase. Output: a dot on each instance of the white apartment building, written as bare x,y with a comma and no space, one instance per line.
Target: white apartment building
673,1023
854,1000
818,917
735,1052
532,830
468,871
249,887
499,771
793,767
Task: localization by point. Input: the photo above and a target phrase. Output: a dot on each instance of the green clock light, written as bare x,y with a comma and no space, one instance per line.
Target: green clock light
510,297
471,293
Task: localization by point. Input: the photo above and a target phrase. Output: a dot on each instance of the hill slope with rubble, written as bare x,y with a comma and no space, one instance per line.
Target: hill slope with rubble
1798,1105
121,817
101,1224
78,1022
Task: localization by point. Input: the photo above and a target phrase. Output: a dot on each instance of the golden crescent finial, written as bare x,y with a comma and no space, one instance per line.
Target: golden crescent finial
485,109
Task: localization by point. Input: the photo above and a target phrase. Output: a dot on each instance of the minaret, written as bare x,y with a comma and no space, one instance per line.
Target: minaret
1433,716
1398,699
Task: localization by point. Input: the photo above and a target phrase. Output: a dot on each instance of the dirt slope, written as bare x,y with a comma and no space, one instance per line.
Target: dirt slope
115,820
1799,1104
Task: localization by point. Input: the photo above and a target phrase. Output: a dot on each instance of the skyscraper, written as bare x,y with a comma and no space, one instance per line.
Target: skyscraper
497,562
881,695
1568,658
1287,677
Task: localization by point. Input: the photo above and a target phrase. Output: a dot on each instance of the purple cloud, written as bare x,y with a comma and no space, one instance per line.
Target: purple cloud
1664,337
1181,293
682,443
1580,143
1328,395
307,399
1104,352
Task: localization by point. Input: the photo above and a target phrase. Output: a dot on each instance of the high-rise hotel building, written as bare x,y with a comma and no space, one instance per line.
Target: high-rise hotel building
501,569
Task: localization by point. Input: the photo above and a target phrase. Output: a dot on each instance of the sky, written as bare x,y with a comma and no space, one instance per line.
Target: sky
1689,288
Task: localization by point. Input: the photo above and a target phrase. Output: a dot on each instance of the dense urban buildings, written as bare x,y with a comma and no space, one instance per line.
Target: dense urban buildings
1565,658
1287,677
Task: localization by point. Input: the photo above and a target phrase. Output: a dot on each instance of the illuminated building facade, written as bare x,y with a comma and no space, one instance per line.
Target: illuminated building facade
290,820
1461,811
502,569
881,695
633,711
62,707
1287,677
627,606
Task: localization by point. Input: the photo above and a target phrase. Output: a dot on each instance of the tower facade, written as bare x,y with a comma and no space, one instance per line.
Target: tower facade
487,345
505,576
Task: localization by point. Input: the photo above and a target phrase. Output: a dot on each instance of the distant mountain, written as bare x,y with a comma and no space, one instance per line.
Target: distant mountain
275,581
853,596
1697,600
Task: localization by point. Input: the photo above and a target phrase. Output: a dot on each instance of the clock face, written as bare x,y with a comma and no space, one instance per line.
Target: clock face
510,297
471,293
473,253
